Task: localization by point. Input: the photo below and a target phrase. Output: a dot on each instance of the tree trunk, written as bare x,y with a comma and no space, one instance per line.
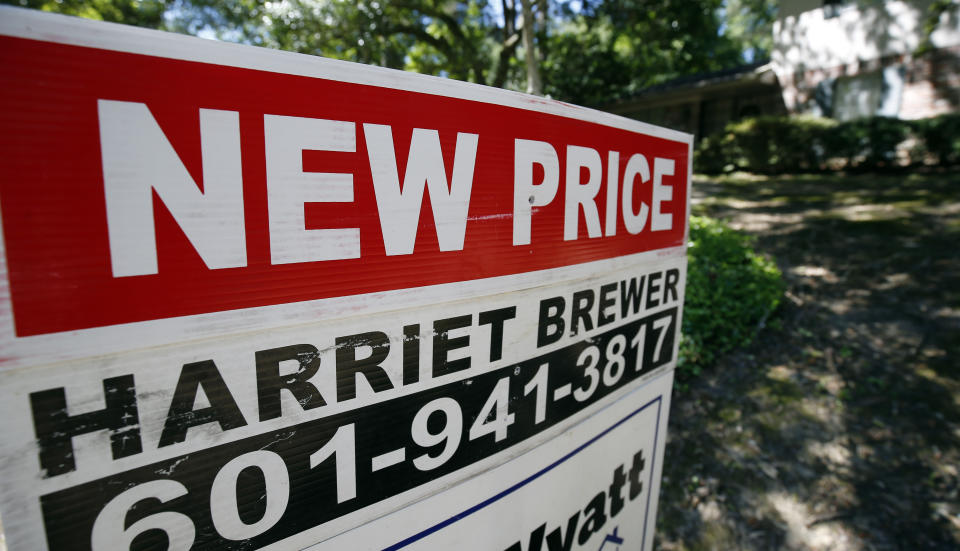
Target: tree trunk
534,85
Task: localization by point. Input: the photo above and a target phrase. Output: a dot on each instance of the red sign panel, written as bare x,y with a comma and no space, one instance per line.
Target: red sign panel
138,188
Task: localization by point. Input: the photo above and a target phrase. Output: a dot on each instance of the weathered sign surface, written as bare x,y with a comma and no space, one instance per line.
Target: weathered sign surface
257,299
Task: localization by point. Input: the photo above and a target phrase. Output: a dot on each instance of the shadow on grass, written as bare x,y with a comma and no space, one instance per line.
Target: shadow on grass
840,427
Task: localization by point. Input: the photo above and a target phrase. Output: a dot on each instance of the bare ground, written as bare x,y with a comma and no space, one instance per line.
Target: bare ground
839,428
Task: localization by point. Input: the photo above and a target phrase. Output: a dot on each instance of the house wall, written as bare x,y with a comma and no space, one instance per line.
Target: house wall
858,58
932,84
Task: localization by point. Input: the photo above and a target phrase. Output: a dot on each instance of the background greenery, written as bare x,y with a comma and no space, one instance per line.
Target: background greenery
778,145
588,52
731,291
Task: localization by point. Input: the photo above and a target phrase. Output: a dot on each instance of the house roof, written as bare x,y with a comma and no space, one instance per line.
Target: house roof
752,74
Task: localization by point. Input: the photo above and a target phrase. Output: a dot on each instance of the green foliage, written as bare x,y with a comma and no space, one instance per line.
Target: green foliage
143,13
749,23
713,154
731,290
866,143
591,52
614,48
766,145
774,145
584,65
935,11
442,37
939,137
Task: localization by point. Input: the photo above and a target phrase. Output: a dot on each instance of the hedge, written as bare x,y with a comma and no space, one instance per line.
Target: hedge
772,145
940,137
731,290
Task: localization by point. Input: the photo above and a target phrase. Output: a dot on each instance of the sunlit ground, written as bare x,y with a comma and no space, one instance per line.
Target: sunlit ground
840,427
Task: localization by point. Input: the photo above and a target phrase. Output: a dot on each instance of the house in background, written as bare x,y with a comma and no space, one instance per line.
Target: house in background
843,59
851,59
704,104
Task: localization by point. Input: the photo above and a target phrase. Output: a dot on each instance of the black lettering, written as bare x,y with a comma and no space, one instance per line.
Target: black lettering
670,285
582,304
442,344
607,300
630,296
496,318
55,429
616,491
653,289
554,542
595,517
549,320
181,415
349,366
636,485
411,354
270,383
536,540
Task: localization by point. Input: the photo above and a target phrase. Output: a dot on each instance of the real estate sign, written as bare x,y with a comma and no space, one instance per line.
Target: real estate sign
254,299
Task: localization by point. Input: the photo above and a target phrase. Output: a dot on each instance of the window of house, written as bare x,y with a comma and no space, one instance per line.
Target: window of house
857,96
868,94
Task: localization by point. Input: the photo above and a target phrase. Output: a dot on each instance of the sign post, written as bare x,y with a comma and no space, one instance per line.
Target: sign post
254,299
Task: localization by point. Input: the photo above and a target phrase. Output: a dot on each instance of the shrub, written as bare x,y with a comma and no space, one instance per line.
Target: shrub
779,144
765,145
730,291
712,155
773,145
867,143
940,137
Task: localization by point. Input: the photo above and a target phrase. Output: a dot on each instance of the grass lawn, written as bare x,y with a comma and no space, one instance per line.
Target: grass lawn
839,428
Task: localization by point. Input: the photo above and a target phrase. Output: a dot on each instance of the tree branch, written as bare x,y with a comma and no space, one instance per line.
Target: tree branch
503,60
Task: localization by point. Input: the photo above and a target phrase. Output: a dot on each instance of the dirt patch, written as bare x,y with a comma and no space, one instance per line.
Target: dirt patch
839,428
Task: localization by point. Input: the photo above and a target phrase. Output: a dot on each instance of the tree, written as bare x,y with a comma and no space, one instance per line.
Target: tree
589,52
614,48
534,84
461,40
749,24
143,13
932,19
